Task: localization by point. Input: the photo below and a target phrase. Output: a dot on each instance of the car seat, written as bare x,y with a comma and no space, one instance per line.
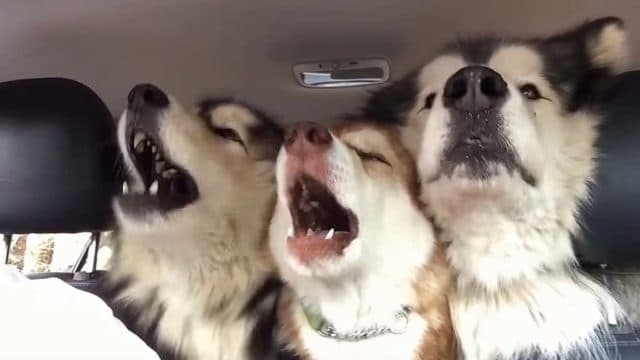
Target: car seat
58,158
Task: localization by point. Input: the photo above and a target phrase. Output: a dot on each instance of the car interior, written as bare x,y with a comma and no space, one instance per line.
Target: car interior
606,242
68,66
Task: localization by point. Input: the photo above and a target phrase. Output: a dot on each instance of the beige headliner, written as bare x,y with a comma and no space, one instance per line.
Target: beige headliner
193,48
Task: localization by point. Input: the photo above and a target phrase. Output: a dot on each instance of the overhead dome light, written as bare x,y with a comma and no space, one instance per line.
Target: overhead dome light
342,73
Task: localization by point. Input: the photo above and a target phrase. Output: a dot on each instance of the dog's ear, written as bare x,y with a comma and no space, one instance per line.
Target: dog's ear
391,103
584,59
604,42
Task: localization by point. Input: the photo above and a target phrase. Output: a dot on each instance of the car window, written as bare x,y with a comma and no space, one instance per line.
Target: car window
38,253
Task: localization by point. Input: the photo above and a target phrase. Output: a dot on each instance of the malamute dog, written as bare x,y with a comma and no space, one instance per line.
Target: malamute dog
193,224
504,133
367,280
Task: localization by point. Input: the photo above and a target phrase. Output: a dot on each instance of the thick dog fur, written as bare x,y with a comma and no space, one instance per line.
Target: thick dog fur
508,224
393,260
192,280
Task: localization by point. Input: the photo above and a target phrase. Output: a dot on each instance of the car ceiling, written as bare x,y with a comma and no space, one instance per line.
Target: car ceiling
195,48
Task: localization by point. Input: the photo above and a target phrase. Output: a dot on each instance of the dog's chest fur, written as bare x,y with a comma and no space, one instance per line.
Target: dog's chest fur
222,334
559,315
518,293
176,324
429,334
191,307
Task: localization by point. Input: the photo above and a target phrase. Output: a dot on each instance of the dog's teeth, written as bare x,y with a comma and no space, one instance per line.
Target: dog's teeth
309,232
153,189
290,232
154,149
169,173
329,234
125,188
140,148
137,139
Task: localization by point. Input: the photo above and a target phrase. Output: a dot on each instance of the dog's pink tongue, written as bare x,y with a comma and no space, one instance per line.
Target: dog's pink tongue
317,246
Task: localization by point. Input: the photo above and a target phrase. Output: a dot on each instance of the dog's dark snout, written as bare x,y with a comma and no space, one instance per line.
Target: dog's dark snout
475,88
307,136
147,96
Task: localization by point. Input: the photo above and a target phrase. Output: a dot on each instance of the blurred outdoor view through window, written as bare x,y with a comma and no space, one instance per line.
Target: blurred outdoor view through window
38,253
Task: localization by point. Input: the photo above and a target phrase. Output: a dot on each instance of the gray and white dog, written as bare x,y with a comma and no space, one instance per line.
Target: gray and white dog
189,272
504,132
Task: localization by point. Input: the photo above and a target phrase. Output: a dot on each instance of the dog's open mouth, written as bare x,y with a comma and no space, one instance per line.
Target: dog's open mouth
166,185
322,227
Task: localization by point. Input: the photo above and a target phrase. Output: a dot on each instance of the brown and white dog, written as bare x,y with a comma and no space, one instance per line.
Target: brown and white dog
188,271
504,132
367,279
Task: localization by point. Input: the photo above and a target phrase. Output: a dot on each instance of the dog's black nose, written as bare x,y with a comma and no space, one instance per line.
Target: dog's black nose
145,97
474,88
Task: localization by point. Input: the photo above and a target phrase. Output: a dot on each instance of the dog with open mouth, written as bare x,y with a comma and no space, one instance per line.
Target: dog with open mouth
189,273
504,133
366,279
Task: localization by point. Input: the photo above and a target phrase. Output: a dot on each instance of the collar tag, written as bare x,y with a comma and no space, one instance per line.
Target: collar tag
400,321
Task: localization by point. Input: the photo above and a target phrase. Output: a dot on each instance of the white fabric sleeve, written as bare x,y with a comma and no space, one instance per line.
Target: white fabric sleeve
50,320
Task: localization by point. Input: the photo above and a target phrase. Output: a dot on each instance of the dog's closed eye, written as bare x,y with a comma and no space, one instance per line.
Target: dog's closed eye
371,156
228,134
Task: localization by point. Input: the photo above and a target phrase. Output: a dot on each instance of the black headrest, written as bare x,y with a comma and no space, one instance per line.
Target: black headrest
612,222
57,157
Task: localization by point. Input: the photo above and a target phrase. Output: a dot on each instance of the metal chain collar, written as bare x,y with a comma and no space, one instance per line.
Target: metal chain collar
326,329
